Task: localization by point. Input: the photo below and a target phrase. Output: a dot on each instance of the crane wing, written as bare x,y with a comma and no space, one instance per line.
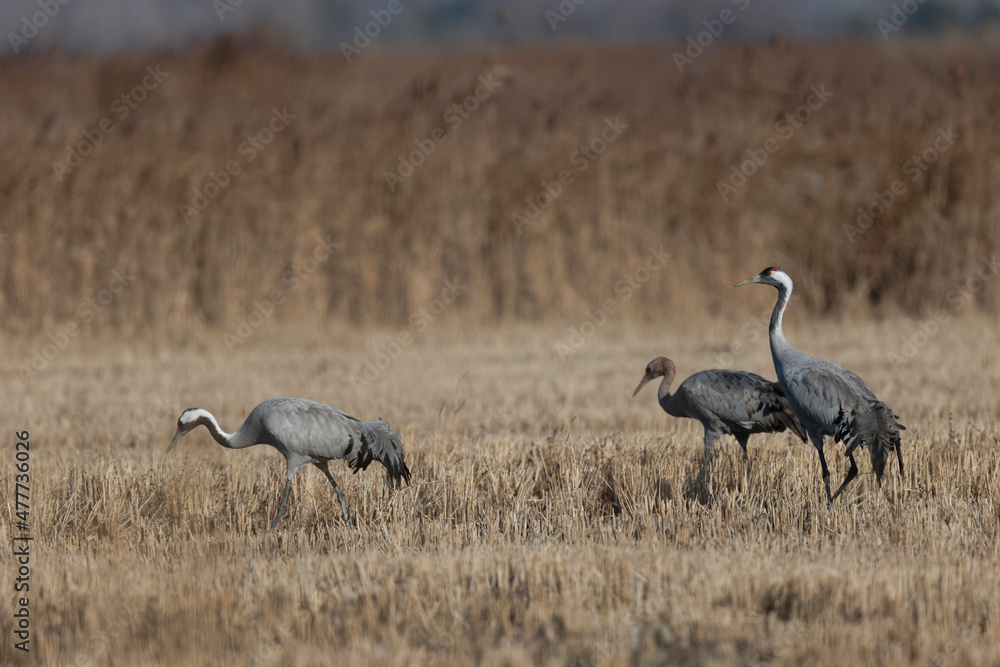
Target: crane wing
845,407
316,430
821,394
743,399
308,428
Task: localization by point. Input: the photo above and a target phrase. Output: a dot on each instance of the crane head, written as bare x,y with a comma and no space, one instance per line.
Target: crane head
769,276
188,421
656,368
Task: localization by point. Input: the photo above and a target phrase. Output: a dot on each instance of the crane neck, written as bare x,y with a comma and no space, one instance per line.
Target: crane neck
237,440
668,401
776,334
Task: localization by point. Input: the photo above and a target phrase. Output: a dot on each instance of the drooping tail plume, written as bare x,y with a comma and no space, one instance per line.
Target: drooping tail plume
877,428
380,443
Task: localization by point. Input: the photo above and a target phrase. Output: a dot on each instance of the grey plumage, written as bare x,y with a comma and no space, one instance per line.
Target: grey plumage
828,399
726,402
307,432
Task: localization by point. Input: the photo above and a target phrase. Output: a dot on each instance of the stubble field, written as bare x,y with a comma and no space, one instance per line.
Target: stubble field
552,518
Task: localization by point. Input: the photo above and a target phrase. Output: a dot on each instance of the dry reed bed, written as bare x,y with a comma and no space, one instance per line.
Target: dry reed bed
323,177
576,530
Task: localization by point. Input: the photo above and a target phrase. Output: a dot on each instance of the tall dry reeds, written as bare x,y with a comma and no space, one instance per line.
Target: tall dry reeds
321,178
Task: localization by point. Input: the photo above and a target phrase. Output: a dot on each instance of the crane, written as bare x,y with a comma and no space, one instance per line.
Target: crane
307,432
828,399
725,402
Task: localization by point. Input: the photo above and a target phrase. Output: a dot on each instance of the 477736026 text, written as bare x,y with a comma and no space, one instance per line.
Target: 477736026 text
22,541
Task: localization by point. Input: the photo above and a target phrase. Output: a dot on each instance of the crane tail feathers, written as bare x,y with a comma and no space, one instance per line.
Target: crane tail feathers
380,443
877,428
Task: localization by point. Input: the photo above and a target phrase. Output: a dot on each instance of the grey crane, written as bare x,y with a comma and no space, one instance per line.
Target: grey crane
828,399
725,402
307,432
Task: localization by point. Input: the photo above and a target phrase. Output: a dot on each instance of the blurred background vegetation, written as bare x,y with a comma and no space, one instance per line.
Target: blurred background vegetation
205,246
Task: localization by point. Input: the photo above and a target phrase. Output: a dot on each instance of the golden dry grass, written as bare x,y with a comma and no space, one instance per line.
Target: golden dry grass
552,518
323,175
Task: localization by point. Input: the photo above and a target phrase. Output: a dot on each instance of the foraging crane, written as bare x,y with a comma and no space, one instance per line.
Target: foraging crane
307,432
725,402
828,399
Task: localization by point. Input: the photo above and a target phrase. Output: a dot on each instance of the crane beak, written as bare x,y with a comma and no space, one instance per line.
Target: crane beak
641,385
177,436
751,279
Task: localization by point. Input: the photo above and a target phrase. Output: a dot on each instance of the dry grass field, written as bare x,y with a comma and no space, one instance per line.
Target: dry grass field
552,518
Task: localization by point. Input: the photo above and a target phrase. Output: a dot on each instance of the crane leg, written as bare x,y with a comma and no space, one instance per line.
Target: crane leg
851,474
710,438
822,463
742,439
284,501
706,466
340,494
